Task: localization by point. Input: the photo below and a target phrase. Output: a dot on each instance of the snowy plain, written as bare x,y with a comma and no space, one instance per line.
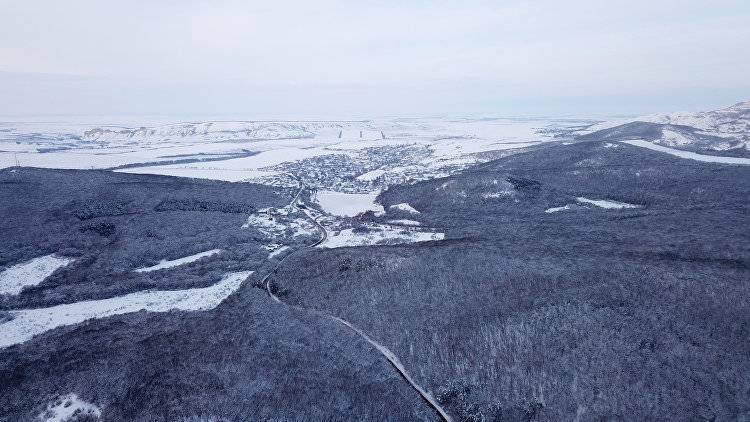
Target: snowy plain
84,146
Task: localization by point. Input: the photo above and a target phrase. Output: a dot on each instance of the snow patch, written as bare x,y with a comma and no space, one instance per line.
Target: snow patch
557,209
378,234
27,323
30,273
603,203
277,251
348,204
444,185
674,139
494,195
212,173
164,264
236,169
405,222
266,224
68,406
371,175
687,154
270,224
723,146
404,207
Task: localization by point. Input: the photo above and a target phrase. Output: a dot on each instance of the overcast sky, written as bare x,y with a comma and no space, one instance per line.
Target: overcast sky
349,58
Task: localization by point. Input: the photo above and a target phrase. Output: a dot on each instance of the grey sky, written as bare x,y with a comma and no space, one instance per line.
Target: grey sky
346,58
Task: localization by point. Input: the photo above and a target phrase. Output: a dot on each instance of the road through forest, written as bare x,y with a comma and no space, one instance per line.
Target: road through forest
387,353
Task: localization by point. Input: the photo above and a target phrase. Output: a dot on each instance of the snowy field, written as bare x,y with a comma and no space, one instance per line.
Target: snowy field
348,204
27,323
378,234
30,273
584,203
219,150
347,162
689,155
166,264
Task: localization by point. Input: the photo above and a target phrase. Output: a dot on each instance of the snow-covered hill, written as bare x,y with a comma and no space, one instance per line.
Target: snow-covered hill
218,131
730,120
721,132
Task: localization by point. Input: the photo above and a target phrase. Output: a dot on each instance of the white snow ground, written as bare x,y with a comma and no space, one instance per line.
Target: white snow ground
348,204
557,209
405,222
674,139
404,207
378,234
689,155
65,407
274,224
278,251
164,264
30,273
27,323
599,203
237,169
371,175
449,145
606,204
